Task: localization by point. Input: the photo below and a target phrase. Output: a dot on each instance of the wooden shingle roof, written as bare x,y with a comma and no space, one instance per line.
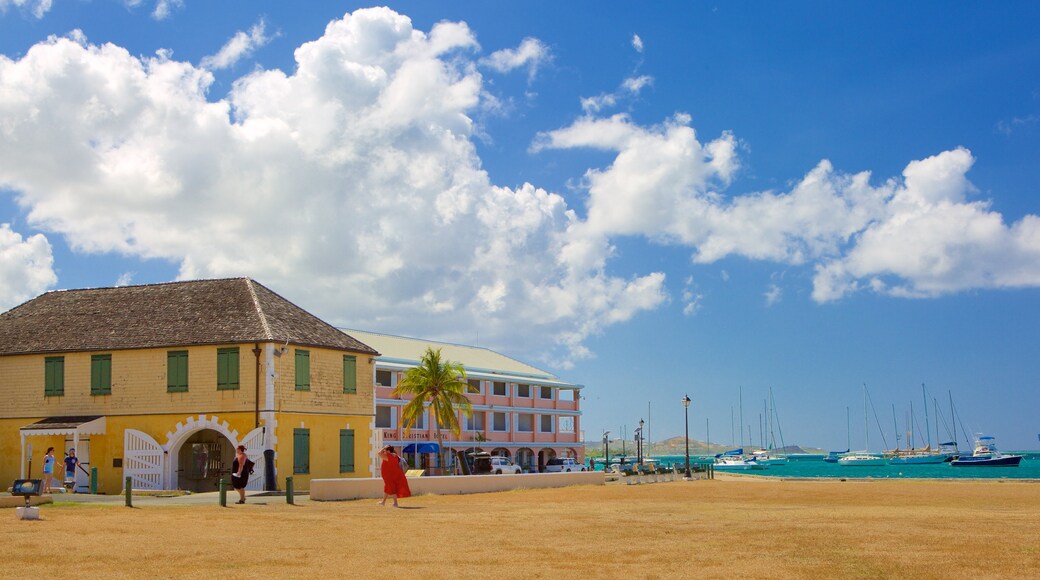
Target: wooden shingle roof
200,312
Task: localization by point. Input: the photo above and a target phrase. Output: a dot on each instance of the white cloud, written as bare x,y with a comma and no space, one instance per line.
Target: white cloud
918,236
637,43
162,10
38,8
629,89
351,184
531,53
773,294
26,267
240,45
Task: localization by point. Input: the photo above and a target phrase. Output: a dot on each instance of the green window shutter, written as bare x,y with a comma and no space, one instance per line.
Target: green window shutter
303,370
346,451
227,369
301,450
54,376
177,371
101,374
349,374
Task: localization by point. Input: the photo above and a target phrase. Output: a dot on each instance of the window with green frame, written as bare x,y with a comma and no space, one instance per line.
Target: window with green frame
301,450
349,374
54,376
303,370
227,369
101,374
346,451
177,371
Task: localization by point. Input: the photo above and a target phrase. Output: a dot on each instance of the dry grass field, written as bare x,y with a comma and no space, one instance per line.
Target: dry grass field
732,528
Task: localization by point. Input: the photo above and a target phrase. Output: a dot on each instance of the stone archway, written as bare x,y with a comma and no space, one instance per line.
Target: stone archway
181,459
203,459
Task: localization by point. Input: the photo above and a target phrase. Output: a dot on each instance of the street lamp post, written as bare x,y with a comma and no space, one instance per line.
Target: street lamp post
639,442
606,450
686,406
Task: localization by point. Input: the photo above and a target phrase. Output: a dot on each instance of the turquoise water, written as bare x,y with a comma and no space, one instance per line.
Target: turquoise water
816,467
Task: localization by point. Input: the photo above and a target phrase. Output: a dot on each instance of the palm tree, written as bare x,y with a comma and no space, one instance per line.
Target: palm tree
442,384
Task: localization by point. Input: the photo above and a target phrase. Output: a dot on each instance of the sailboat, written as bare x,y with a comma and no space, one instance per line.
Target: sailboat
925,456
863,458
770,456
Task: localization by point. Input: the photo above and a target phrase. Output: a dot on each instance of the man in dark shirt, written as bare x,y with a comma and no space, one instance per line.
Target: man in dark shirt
71,463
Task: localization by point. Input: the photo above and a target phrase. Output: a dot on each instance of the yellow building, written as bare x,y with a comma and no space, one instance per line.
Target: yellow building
160,383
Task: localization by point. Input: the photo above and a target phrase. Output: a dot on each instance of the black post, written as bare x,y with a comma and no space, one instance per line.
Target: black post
686,406
606,453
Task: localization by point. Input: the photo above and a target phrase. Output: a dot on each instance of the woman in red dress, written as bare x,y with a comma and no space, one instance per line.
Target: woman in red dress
395,484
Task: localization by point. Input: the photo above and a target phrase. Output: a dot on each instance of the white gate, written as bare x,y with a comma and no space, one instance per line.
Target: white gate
254,442
142,460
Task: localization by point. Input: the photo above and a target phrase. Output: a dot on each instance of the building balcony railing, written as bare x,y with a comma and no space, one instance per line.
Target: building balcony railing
505,437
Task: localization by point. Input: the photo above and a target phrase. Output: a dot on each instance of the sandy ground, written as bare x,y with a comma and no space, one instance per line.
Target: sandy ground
727,528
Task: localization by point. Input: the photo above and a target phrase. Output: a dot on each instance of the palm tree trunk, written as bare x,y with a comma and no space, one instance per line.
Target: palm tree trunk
440,449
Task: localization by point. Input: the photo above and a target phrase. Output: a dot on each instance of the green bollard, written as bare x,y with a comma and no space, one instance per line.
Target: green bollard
129,503
289,490
223,493
93,481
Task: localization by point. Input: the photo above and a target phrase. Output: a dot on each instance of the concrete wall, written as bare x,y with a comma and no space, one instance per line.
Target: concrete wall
342,489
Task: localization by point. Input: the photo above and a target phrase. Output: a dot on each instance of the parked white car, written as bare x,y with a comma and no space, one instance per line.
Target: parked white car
500,465
565,464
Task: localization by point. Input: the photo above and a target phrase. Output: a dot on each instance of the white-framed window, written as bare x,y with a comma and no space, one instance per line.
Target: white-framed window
499,388
384,417
523,391
384,378
545,392
499,422
473,386
567,394
476,422
525,422
420,421
566,424
545,424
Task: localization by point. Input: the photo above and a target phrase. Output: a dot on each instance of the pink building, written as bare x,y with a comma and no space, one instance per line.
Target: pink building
519,411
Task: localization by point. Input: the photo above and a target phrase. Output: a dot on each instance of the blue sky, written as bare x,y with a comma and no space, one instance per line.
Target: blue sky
648,200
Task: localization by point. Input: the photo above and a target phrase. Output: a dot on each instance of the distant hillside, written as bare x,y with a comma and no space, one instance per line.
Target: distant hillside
677,446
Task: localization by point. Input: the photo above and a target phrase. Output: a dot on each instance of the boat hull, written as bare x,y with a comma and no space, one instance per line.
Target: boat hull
919,460
1003,461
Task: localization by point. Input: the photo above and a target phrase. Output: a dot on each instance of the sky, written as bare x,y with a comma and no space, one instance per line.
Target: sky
650,200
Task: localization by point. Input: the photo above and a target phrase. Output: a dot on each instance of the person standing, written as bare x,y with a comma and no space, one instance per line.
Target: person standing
241,468
48,470
395,484
71,463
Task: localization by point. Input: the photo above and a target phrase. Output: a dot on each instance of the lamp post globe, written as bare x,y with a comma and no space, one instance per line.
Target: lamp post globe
686,407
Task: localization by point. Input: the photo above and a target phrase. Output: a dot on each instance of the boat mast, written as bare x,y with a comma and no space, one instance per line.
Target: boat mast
895,425
937,438
913,423
848,429
953,421
927,429
866,429
740,401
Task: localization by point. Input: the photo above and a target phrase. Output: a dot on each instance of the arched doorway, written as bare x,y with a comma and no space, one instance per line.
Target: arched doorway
525,458
501,452
202,459
543,457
